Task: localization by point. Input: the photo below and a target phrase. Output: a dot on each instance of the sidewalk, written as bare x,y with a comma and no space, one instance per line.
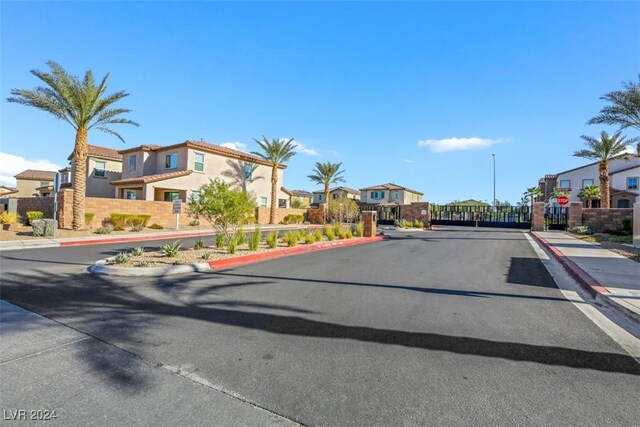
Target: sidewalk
610,277
101,239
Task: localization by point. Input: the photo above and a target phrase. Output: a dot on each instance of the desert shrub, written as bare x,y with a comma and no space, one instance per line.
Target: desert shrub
205,256
8,218
293,219
137,251
194,223
348,234
118,220
359,229
123,220
291,238
220,241
143,263
240,237
310,238
121,258
329,232
198,245
156,227
339,231
254,240
401,223
88,218
137,228
318,235
118,228
232,245
627,225
272,239
418,224
33,216
581,229
171,249
38,227
104,230
142,220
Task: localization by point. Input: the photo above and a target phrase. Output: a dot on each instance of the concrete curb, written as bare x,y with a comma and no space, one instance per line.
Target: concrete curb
588,283
102,267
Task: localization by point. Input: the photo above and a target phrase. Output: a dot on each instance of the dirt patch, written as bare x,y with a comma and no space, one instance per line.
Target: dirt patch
26,233
614,244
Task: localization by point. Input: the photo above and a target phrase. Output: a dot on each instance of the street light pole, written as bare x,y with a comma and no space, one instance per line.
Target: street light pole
494,179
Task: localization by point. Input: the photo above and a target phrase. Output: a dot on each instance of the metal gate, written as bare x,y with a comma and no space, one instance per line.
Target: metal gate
556,218
482,216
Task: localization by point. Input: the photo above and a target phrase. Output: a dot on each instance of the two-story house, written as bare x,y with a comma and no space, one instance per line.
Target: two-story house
167,173
336,193
300,198
34,183
389,194
103,164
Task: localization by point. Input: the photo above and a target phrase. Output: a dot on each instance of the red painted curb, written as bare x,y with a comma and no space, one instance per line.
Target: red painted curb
250,259
588,283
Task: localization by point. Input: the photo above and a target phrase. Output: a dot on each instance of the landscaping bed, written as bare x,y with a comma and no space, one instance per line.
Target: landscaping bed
614,243
22,232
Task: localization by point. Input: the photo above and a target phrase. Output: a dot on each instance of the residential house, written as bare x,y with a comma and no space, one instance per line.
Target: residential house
300,198
623,182
389,194
336,193
6,191
34,183
104,165
153,172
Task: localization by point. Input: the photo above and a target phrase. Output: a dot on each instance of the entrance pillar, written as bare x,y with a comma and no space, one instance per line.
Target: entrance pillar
537,223
369,219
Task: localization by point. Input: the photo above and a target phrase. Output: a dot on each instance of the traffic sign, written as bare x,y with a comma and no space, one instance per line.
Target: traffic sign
563,200
177,206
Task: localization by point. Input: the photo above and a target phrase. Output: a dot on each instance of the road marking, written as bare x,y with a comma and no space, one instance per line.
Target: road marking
46,350
616,325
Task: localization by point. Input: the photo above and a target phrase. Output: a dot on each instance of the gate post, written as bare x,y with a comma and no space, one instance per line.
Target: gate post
575,214
369,219
537,217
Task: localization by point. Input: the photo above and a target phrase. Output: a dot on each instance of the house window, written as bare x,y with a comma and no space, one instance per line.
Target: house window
395,195
248,171
263,202
632,183
171,161
198,164
133,160
170,196
282,203
195,196
335,196
44,184
131,195
565,183
321,197
64,178
377,194
99,169
586,182
623,203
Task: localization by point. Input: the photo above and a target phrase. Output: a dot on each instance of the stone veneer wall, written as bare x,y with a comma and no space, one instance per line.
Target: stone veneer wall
538,216
413,212
26,204
601,220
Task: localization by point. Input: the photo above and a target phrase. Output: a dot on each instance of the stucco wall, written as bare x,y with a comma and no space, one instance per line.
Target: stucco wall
27,187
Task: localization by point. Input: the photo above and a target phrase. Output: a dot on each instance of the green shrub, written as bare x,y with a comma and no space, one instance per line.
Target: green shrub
318,235
121,258
171,249
418,224
137,228
198,245
339,231
627,225
240,237
118,220
123,220
104,230
310,238
348,234
232,245
359,229
142,220
401,223
8,218
137,251
254,240
118,228
156,227
88,218
329,232
291,238
205,256
143,263
33,216
581,229
293,219
220,241
194,223
272,239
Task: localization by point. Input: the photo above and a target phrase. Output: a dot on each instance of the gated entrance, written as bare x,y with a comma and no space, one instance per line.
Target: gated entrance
481,216
556,218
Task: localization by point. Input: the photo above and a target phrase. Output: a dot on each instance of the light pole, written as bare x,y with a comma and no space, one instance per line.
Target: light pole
494,179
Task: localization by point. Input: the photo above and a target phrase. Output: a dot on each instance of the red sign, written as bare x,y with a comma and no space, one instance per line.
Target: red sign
563,200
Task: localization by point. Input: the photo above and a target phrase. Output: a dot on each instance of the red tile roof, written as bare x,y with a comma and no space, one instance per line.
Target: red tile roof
36,175
152,178
97,151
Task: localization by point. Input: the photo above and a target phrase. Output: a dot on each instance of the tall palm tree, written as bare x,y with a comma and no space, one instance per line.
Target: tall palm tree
83,105
276,152
602,150
588,193
533,193
326,174
624,108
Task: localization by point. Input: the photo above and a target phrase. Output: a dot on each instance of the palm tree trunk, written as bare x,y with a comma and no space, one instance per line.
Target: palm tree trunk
603,169
79,179
326,201
274,194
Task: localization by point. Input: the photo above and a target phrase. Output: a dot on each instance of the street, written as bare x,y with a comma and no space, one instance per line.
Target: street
450,327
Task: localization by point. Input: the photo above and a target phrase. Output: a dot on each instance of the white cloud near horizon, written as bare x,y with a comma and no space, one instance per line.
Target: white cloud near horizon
11,165
240,146
456,144
301,148
407,161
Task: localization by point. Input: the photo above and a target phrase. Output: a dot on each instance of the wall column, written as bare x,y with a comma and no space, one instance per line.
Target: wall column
636,225
369,219
575,215
538,217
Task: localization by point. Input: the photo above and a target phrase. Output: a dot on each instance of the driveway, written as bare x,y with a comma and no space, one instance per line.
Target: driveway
453,327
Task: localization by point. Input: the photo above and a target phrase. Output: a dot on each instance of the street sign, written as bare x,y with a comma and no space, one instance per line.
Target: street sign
423,212
563,200
56,182
177,206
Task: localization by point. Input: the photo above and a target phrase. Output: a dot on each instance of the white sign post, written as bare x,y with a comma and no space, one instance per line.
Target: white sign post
56,188
177,208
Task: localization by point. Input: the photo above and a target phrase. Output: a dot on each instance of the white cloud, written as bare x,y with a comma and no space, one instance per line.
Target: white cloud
455,144
301,148
240,146
407,161
11,165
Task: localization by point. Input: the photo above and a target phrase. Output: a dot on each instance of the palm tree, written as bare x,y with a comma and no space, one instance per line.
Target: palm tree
602,150
624,108
84,106
532,193
589,192
276,152
326,174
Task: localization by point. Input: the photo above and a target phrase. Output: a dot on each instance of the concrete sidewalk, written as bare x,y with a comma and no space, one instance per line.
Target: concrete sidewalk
606,275
48,366
97,239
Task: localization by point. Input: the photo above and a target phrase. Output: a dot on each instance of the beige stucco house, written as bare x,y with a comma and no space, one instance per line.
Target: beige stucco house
104,165
32,182
389,194
300,198
153,172
336,193
7,192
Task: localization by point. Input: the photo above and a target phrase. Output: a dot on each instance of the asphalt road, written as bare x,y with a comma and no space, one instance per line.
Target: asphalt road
454,327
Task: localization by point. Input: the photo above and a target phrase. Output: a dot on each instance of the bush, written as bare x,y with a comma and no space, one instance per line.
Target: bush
401,223
348,234
33,216
418,224
123,220
137,251
198,245
291,238
171,249
205,256
328,231
310,238
232,245
156,227
118,228
8,218
194,223
359,229
121,258
293,219
137,228
240,237
627,225
142,220
581,229
104,230
318,235
143,263
88,218
339,230
254,240
272,239
38,227
220,241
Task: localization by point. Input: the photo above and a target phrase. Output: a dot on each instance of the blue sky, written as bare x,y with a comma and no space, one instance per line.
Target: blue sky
386,88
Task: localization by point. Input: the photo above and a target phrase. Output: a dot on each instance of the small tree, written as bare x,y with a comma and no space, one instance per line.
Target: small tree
623,109
326,174
589,192
343,208
223,207
532,193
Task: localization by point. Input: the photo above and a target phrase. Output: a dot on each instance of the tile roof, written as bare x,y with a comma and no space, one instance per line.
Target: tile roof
625,169
287,192
97,151
10,190
347,189
301,193
152,178
36,175
390,186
